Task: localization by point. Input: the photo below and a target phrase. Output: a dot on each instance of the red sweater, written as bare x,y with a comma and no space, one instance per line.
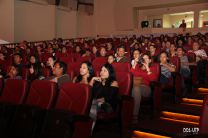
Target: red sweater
138,72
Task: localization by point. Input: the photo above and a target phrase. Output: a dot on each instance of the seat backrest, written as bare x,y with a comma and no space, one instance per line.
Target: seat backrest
158,69
67,59
1,85
74,97
175,61
99,60
46,72
83,59
25,73
74,66
121,66
191,57
14,91
124,82
42,94
203,123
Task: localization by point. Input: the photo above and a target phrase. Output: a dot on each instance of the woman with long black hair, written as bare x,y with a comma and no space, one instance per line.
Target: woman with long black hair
86,73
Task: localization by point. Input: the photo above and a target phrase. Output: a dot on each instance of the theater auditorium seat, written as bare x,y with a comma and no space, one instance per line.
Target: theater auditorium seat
73,67
67,59
14,94
121,66
27,117
14,91
70,117
123,114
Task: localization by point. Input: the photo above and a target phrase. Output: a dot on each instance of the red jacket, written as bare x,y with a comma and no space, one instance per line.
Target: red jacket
138,72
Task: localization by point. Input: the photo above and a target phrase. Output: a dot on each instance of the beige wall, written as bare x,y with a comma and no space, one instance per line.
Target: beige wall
34,21
85,24
66,23
7,20
104,19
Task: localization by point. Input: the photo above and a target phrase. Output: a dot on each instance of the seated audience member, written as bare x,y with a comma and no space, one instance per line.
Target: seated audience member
201,60
95,52
86,53
166,68
59,73
167,46
110,49
64,51
172,50
184,66
78,50
13,73
136,56
17,62
143,72
105,92
2,57
33,60
85,73
50,63
111,59
121,55
153,54
103,52
35,72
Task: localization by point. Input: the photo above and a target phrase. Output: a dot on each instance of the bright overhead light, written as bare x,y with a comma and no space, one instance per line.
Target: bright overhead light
182,13
205,11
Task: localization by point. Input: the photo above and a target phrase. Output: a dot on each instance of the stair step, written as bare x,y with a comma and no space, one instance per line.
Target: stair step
199,96
165,126
192,101
179,117
184,108
140,134
202,90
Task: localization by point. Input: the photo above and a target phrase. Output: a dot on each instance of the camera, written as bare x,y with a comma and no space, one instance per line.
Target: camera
141,61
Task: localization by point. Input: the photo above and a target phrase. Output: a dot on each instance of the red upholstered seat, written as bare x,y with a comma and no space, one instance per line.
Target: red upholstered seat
125,82
73,66
203,123
125,109
14,91
46,72
121,67
74,97
99,60
42,94
67,59
175,61
82,59
25,73
1,85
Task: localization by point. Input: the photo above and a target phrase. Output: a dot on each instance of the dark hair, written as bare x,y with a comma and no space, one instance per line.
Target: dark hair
141,59
36,59
181,48
62,65
111,55
123,47
164,52
37,71
17,54
90,69
112,74
53,57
